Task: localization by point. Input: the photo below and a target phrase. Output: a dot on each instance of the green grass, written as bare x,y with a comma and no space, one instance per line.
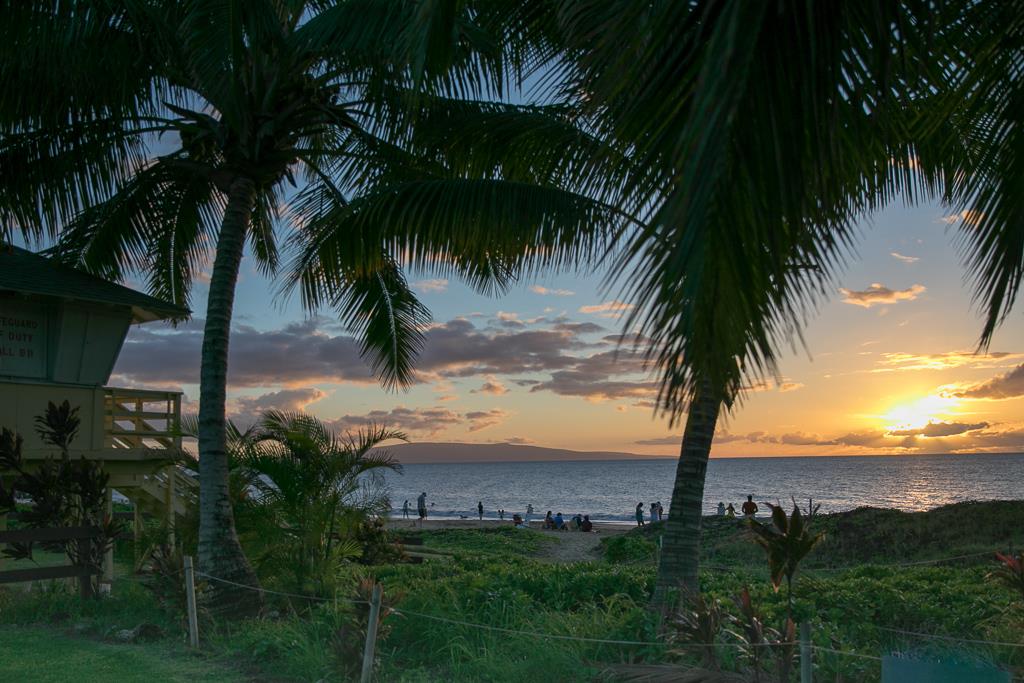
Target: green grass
499,541
491,577
44,656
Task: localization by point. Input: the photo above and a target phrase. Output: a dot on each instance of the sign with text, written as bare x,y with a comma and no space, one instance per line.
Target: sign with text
22,340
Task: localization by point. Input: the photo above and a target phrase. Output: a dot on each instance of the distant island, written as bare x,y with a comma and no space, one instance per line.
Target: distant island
421,453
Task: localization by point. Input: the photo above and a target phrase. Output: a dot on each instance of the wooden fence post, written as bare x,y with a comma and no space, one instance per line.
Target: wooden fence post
806,665
190,594
85,548
371,634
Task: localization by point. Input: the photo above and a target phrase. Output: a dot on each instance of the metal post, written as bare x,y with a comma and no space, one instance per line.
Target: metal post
806,665
371,635
190,594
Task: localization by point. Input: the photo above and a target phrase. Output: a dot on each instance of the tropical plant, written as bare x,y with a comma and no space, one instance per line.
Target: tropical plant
160,136
58,426
786,542
699,622
349,640
62,492
1010,573
311,495
762,641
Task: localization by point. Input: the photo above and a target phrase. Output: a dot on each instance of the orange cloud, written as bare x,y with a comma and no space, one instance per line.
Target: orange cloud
878,294
609,309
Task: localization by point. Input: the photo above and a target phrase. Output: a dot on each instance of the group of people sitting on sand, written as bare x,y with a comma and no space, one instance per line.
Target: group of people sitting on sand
579,522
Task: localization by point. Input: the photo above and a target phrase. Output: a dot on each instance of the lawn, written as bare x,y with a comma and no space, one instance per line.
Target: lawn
42,655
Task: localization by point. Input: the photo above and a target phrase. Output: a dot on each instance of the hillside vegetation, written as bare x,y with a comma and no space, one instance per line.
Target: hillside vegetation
862,536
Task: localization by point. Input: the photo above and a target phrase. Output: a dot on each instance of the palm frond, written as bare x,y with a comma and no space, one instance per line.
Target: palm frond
381,308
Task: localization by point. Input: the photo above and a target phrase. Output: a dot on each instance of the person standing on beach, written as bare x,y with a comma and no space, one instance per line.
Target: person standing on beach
421,505
639,514
654,513
501,514
529,511
749,508
405,509
480,509
721,509
661,511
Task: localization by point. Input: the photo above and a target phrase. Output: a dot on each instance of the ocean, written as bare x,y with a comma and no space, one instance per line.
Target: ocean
609,490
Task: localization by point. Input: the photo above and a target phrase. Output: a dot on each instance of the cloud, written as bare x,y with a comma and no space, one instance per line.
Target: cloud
428,421
544,291
305,353
517,441
491,386
609,309
592,378
894,362
968,217
906,259
299,354
786,387
246,410
458,349
285,399
662,441
482,419
1010,385
878,294
437,285
421,421
938,429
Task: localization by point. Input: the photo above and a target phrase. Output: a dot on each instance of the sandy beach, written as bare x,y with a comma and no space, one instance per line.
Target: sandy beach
572,546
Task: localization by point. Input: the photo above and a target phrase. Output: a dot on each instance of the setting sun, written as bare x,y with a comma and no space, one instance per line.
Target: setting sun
919,413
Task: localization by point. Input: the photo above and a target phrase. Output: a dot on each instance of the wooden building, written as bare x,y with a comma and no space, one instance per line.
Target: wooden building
61,331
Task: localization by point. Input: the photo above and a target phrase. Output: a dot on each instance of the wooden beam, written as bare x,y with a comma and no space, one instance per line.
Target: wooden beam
44,573
45,535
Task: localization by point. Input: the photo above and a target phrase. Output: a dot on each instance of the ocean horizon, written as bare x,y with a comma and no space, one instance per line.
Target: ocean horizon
608,490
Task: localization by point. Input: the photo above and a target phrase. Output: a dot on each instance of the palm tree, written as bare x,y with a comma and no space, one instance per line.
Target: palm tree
310,490
757,135
214,124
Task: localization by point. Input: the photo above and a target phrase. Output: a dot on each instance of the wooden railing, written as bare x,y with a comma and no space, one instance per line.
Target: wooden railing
84,535
142,419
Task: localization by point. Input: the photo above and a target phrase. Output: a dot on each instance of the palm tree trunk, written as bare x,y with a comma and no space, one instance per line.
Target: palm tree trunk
680,555
220,553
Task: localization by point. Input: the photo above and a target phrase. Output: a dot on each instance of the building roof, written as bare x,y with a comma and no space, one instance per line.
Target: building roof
25,272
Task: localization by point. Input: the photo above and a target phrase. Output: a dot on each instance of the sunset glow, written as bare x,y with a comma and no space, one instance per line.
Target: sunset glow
919,413
891,364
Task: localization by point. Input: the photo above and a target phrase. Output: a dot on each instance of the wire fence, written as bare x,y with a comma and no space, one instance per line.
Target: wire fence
665,644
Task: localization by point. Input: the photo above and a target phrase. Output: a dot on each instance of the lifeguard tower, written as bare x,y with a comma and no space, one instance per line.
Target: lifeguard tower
61,331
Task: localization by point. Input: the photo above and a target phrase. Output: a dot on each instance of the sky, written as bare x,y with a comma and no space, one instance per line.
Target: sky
888,364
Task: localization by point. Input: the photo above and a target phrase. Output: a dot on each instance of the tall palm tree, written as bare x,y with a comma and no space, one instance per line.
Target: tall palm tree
215,124
758,134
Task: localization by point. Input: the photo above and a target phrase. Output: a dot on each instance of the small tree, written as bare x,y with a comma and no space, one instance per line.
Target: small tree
786,541
310,496
63,493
